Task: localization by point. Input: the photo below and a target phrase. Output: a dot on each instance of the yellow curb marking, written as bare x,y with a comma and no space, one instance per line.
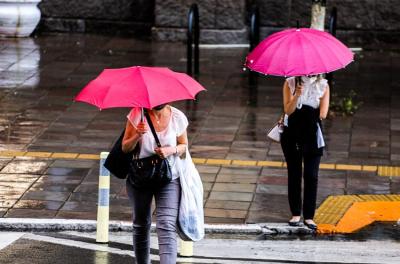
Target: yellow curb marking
38,154
369,168
199,161
12,153
388,171
349,213
218,162
65,155
270,163
327,166
89,156
348,167
244,162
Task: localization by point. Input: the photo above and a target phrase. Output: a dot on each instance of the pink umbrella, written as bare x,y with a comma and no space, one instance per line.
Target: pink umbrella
297,52
138,87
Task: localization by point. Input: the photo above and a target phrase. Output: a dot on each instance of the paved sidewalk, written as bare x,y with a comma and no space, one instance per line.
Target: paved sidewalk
39,78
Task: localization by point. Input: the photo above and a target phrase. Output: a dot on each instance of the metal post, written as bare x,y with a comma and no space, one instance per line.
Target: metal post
254,40
333,21
254,27
186,248
332,30
103,202
193,38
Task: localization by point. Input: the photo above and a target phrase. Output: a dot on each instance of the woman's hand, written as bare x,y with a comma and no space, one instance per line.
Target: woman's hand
165,152
298,91
141,128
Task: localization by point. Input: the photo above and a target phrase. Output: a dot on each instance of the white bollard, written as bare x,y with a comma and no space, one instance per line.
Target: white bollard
103,202
186,248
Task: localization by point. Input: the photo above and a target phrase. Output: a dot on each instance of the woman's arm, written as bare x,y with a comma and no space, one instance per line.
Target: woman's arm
180,148
324,104
182,142
132,136
290,100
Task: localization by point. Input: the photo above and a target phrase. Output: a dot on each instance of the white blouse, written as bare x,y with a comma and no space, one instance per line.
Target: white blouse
176,127
313,90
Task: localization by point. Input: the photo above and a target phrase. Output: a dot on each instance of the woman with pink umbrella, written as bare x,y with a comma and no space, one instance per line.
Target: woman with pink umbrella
304,54
160,138
306,103
170,125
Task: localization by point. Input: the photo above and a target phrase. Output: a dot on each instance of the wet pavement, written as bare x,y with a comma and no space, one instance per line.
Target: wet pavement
80,247
39,78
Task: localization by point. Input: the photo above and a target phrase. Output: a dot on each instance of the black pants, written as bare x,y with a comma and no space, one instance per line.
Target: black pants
294,159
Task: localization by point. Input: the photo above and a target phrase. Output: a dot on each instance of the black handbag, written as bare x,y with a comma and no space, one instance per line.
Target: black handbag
117,161
151,171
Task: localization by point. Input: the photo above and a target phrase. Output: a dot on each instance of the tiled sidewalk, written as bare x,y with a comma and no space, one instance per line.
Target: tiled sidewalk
39,78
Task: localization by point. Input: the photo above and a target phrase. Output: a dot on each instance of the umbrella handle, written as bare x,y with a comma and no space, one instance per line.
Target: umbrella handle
141,114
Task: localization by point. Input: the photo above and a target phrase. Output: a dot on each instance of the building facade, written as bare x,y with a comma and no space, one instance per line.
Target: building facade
368,23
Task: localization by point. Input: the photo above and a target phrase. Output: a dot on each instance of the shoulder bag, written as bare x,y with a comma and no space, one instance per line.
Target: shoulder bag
117,161
151,171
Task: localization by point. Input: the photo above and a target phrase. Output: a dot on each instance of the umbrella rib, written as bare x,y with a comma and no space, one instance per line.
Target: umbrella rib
317,51
119,81
274,55
147,91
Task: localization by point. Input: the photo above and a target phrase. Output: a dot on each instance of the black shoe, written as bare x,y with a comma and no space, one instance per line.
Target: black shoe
294,223
310,225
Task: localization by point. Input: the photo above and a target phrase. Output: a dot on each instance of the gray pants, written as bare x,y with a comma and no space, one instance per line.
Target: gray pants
167,206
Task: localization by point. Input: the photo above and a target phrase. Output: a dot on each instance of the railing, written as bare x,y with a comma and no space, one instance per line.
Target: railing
254,39
193,38
254,27
332,30
332,21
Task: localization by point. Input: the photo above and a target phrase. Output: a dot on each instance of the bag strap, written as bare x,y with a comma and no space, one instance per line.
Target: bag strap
152,128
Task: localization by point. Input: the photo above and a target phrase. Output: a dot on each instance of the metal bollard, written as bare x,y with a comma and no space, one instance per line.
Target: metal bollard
186,248
103,202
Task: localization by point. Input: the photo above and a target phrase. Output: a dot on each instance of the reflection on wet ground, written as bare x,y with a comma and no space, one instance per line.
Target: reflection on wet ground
39,78
385,231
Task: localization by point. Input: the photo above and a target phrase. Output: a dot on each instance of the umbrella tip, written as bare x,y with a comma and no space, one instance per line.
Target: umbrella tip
297,24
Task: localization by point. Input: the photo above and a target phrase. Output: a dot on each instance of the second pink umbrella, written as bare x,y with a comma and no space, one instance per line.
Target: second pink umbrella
298,52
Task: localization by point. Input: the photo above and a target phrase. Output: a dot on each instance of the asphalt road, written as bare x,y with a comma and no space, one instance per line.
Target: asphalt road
81,248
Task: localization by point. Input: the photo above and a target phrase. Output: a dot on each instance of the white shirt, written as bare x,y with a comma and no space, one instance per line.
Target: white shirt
176,127
313,90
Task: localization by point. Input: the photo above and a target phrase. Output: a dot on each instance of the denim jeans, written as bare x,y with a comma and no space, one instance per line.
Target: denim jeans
167,201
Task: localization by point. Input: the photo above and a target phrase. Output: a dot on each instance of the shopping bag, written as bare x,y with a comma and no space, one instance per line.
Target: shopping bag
191,212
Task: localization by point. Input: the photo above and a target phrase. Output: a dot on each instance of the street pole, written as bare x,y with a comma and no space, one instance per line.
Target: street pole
103,213
318,10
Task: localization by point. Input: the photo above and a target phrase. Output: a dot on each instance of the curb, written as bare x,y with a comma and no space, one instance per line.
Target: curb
33,224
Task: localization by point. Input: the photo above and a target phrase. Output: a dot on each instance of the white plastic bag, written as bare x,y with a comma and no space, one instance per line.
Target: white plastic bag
191,212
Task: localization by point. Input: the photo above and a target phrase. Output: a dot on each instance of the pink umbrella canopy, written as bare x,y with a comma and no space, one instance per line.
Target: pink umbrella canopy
138,86
298,52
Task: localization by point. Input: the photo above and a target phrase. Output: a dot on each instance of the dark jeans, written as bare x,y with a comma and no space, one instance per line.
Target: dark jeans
167,201
294,159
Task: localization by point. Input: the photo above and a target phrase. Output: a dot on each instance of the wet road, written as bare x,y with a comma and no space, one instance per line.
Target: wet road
79,248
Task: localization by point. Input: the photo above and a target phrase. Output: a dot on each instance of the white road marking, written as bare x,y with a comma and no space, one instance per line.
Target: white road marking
7,238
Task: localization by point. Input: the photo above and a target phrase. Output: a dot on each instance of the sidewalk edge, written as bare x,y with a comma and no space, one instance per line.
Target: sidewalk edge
33,224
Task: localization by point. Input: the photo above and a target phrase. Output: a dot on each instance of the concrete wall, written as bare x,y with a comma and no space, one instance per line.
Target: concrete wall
368,23
109,16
